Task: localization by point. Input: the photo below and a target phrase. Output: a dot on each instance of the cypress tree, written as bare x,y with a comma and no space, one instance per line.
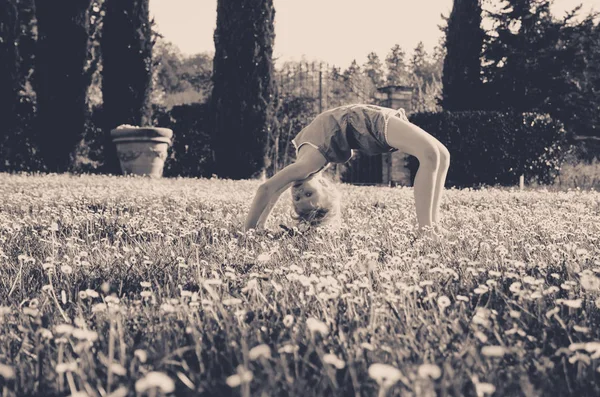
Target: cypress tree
9,66
126,46
60,82
243,87
464,42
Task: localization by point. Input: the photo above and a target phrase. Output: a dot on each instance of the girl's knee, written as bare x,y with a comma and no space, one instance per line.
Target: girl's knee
430,158
444,156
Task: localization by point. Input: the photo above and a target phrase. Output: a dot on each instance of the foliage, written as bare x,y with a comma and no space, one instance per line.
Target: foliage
180,79
397,69
112,279
426,79
462,68
126,45
60,80
190,154
535,62
496,147
243,89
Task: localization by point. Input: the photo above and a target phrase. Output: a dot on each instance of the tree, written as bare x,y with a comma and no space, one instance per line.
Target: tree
425,79
373,68
464,42
534,62
9,65
179,79
60,80
397,70
126,45
243,86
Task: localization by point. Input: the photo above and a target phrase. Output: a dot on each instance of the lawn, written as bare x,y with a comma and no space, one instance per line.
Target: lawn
130,286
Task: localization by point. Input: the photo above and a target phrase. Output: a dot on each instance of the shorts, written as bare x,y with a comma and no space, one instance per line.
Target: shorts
368,125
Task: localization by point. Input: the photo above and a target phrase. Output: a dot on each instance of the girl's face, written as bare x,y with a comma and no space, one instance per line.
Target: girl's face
306,195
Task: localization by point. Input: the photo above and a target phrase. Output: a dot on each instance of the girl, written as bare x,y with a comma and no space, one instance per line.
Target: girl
330,138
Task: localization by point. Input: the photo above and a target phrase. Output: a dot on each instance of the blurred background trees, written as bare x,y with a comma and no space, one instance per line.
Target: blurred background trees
69,77
243,90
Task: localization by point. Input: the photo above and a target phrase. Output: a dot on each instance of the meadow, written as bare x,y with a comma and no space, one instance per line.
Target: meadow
121,286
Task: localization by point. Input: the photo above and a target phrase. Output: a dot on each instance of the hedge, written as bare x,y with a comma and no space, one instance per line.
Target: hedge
496,148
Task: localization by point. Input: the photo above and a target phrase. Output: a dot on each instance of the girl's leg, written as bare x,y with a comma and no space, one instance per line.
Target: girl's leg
411,139
440,180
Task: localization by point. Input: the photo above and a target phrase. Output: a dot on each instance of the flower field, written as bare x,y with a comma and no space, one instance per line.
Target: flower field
113,286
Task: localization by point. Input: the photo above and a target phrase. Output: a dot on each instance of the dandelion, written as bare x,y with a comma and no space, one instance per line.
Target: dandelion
484,388
168,308
118,369
145,284
260,351
288,349
583,330
231,301
64,329
443,302
288,320
481,336
7,372
141,355
332,359
66,269
462,298
317,326
146,294
385,375
263,258
243,376
84,334
83,295
252,284
572,303
429,371
482,289
590,283
493,351
99,308
155,380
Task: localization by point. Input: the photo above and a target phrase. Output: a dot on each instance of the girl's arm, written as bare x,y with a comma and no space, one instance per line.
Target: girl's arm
268,192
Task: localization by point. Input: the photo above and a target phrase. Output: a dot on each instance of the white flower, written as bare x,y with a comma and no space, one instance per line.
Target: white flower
289,349
429,371
572,303
7,372
243,376
156,380
493,351
590,283
231,301
263,258
259,351
315,325
288,320
332,359
141,355
385,375
443,302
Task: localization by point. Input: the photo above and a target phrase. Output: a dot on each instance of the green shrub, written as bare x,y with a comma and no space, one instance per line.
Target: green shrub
191,153
495,148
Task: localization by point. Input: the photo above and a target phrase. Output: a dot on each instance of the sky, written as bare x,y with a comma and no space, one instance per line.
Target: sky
331,31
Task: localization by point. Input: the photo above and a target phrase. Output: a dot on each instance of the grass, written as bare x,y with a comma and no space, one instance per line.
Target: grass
130,286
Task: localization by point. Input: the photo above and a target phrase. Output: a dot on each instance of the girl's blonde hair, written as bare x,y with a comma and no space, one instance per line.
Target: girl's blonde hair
328,211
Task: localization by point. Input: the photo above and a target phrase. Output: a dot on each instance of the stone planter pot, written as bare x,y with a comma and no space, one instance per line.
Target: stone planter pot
142,150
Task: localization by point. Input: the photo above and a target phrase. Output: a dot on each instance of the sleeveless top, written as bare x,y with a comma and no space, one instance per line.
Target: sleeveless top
338,131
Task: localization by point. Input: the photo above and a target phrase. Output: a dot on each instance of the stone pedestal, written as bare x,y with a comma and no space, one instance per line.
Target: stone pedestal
394,167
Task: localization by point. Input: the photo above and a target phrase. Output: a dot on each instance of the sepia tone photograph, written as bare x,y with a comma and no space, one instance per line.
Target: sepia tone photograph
253,198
